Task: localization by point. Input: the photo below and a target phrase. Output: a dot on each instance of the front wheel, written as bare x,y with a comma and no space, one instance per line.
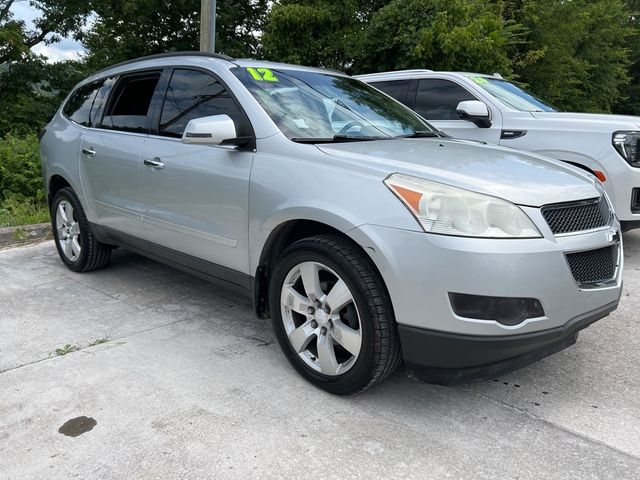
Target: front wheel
332,315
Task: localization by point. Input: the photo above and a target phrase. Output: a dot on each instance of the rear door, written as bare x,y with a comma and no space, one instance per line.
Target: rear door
110,157
196,203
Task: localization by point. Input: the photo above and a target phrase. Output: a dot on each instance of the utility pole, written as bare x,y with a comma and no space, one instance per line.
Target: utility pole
208,26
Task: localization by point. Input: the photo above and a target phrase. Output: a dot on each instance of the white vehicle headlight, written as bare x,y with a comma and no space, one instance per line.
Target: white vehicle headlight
447,210
628,146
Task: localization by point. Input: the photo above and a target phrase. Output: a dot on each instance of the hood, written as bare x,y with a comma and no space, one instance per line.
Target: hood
524,179
593,121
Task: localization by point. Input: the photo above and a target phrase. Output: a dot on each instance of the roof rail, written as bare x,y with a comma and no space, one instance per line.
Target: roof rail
168,55
415,70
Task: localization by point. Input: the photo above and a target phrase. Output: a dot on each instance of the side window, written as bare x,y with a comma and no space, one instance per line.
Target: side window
84,103
438,99
129,103
194,94
398,89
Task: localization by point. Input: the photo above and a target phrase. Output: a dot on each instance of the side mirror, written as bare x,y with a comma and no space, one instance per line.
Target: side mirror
476,112
213,130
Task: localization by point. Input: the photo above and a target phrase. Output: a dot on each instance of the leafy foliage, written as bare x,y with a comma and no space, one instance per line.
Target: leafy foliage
630,102
31,91
317,32
132,28
20,168
576,55
59,18
438,34
21,188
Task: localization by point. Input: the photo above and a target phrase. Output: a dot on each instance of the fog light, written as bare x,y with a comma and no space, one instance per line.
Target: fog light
505,310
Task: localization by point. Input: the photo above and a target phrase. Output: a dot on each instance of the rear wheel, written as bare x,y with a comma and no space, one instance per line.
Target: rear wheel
76,244
332,315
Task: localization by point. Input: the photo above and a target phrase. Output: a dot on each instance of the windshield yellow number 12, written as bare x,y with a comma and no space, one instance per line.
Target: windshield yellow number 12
262,74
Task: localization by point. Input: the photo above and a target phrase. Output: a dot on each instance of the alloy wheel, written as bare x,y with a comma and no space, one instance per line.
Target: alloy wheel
68,231
321,318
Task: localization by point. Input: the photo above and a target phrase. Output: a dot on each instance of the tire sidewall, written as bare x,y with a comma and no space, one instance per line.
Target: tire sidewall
68,195
360,374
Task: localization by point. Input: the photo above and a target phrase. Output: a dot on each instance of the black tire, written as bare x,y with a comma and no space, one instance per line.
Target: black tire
380,352
93,254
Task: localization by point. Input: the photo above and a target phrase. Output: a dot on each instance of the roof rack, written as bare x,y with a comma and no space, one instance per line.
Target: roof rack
398,72
167,55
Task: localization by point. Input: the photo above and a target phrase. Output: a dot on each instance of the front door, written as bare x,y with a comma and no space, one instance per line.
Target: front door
437,100
197,196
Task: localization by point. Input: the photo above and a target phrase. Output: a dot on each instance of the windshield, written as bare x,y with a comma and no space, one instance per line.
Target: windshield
511,95
312,106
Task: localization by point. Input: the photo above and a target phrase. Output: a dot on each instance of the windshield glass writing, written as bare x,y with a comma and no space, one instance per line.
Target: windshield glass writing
512,95
313,105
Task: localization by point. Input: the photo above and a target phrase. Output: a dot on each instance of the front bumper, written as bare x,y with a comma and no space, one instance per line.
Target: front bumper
621,180
451,359
420,270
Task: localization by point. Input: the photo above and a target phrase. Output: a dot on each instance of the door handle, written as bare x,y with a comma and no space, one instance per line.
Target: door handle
155,163
88,152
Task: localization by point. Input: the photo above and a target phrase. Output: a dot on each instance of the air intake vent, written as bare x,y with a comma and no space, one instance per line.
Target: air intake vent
594,267
577,216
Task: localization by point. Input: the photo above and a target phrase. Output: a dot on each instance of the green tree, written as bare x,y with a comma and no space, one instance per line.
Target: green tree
58,18
317,32
438,34
629,102
31,92
127,29
30,89
576,55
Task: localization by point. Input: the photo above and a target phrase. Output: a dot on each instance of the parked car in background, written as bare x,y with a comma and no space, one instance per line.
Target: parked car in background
490,109
365,234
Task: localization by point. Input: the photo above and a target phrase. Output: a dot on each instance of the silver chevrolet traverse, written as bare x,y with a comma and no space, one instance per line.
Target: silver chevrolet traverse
367,236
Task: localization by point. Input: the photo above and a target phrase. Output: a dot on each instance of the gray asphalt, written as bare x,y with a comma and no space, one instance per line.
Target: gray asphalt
191,385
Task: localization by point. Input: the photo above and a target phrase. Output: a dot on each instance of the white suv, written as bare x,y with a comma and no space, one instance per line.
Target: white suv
491,109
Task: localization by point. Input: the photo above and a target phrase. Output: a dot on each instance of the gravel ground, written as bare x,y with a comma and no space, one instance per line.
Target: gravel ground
189,384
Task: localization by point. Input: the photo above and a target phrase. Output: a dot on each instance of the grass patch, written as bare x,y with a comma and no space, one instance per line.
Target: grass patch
68,348
14,213
99,341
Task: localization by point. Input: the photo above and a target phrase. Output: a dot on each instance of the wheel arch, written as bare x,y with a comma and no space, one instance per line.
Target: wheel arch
577,159
56,183
283,235
581,166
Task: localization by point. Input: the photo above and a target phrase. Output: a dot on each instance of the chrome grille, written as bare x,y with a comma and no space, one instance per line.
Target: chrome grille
577,216
594,267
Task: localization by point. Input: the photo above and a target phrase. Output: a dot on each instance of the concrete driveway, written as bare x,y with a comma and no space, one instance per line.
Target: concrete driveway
189,384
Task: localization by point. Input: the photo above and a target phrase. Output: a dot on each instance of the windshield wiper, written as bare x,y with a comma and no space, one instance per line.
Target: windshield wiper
337,139
421,134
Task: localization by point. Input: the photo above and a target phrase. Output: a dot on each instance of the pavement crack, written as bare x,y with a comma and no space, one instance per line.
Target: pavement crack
567,430
112,342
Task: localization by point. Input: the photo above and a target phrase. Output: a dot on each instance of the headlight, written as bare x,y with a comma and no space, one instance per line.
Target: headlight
628,145
449,210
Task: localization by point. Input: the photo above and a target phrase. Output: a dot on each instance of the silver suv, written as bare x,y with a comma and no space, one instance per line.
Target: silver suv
364,233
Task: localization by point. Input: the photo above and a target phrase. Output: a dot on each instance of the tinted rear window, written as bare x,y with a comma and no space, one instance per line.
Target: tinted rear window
129,103
83,105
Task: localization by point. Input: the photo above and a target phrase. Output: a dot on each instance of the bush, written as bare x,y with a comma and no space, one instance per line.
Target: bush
22,198
20,171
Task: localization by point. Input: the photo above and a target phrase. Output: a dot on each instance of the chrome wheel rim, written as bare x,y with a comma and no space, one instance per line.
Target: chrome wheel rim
320,318
68,230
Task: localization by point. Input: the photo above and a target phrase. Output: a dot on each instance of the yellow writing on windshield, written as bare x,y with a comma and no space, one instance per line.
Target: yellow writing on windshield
262,74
